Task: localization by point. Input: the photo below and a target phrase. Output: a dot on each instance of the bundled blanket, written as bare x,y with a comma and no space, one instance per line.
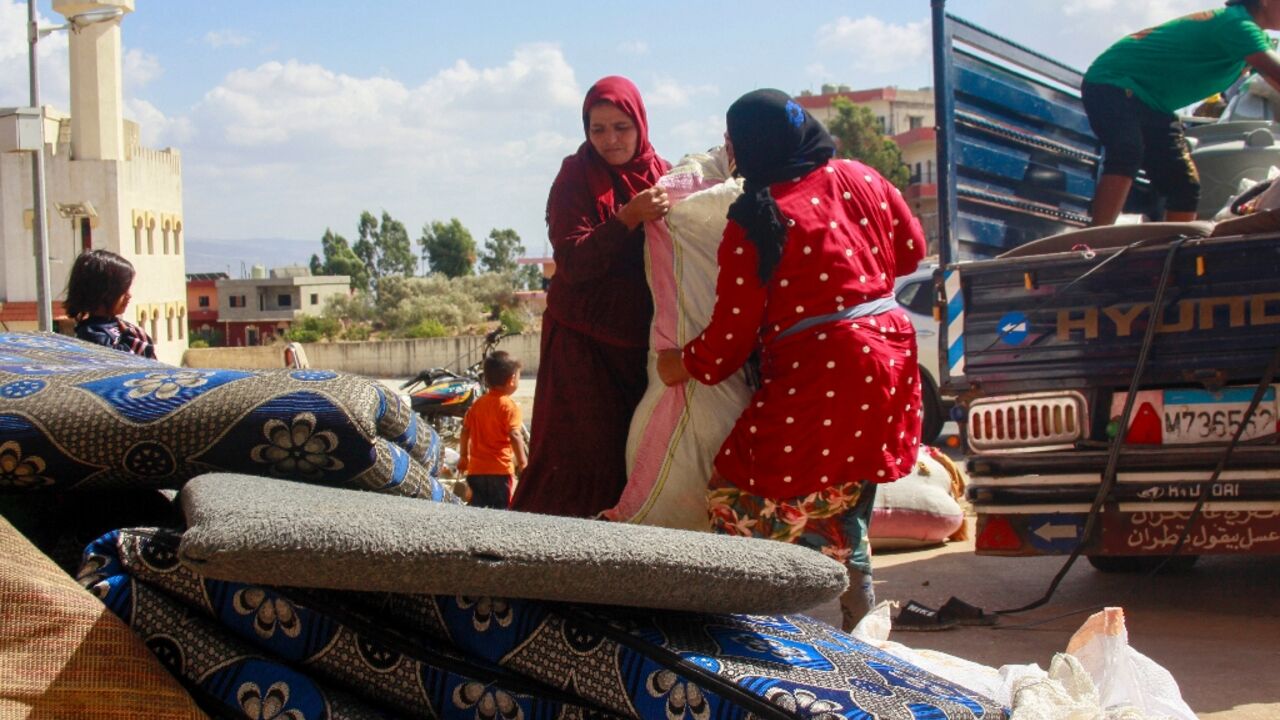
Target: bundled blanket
676,431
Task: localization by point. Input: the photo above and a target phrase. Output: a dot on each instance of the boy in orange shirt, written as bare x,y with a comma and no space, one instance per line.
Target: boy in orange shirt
491,449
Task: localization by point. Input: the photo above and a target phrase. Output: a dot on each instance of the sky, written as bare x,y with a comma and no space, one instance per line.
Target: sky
293,116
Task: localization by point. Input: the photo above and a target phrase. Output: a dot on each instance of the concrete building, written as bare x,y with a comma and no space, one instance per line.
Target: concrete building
202,305
104,191
255,310
907,118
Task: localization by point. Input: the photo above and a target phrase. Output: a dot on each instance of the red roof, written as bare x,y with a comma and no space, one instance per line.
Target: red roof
26,311
920,134
854,96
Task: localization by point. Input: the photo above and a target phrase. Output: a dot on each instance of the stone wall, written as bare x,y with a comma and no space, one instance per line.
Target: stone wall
382,359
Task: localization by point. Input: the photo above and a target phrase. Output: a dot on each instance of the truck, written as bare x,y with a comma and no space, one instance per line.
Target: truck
1114,386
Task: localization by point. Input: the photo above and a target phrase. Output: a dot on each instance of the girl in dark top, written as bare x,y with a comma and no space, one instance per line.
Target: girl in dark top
595,331
97,294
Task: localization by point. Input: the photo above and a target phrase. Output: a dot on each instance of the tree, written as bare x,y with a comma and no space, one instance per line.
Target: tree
449,248
858,136
529,277
501,250
384,248
340,259
395,250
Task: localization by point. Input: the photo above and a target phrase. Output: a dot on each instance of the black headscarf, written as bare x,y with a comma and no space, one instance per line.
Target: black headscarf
774,139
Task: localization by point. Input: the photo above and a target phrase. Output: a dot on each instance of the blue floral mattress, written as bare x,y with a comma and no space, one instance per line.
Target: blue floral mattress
83,416
275,652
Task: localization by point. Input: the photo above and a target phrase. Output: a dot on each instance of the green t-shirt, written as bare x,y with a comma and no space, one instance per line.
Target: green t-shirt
1182,61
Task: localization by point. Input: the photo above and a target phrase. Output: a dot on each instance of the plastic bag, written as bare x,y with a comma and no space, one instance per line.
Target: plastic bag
1125,677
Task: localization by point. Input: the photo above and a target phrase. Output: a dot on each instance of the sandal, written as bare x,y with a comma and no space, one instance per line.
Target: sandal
965,614
916,617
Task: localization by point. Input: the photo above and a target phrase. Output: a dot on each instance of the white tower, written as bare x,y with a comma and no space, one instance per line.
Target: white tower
97,130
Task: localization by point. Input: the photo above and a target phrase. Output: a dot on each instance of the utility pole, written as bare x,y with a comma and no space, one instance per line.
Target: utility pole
44,304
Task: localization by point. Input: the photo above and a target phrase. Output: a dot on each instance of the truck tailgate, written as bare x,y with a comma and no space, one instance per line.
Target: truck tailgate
1041,322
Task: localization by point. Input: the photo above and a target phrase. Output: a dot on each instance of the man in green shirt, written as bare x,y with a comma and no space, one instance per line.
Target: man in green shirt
1132,90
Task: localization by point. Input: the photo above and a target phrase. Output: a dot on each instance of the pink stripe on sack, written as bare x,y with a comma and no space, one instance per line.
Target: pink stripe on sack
660,425
659,434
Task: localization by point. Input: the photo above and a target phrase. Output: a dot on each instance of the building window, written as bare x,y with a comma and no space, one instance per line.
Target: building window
151,238
915,122
137,238
236,301
880,123
164,239
177,239
168,327
182,323
86,235
155,326
203,301
315,298
284,301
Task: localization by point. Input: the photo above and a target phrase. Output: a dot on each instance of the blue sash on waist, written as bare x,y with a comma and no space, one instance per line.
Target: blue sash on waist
870,307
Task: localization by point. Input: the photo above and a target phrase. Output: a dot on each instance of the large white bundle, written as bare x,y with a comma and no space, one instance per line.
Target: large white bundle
677,431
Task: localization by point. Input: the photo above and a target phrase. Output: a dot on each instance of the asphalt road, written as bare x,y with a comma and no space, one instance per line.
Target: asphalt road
1216,627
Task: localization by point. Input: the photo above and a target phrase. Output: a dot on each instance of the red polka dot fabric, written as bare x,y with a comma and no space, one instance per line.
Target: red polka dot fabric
840,401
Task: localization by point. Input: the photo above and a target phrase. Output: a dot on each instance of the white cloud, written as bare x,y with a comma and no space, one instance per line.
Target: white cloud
308,147
140,68
15,73
225,38
869,43
1076,31
158,130
1129,15
696,135
634,48
667,93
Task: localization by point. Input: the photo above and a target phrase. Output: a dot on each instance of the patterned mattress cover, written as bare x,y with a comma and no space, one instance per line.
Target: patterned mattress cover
330,654
83,416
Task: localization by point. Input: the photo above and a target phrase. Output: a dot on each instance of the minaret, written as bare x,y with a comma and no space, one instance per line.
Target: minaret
97,129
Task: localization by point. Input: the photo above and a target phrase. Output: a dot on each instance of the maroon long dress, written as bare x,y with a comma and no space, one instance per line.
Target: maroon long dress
595,332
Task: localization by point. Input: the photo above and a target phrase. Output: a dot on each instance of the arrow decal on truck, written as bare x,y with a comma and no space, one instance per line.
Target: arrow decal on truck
1050,532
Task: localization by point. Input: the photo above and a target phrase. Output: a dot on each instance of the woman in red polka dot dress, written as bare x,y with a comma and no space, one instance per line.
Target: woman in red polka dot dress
807,269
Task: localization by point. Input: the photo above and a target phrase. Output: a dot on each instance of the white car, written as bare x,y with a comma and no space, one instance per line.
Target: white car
915,294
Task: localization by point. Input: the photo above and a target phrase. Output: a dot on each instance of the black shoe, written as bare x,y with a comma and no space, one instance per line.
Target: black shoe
916,617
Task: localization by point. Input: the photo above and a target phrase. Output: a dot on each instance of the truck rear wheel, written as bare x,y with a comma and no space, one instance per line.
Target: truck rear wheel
1141,563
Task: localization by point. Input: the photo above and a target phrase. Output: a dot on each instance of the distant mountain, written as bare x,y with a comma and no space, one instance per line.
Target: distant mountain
228,256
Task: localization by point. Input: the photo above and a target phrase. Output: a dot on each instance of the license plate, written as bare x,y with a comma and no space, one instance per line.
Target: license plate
1200,416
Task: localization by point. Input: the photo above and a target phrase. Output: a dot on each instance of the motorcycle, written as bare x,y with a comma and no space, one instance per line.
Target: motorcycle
442,397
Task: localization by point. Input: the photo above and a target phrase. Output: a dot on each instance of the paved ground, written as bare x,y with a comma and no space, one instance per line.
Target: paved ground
1216,627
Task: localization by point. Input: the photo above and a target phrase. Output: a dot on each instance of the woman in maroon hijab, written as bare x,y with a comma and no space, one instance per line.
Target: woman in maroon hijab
595,332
